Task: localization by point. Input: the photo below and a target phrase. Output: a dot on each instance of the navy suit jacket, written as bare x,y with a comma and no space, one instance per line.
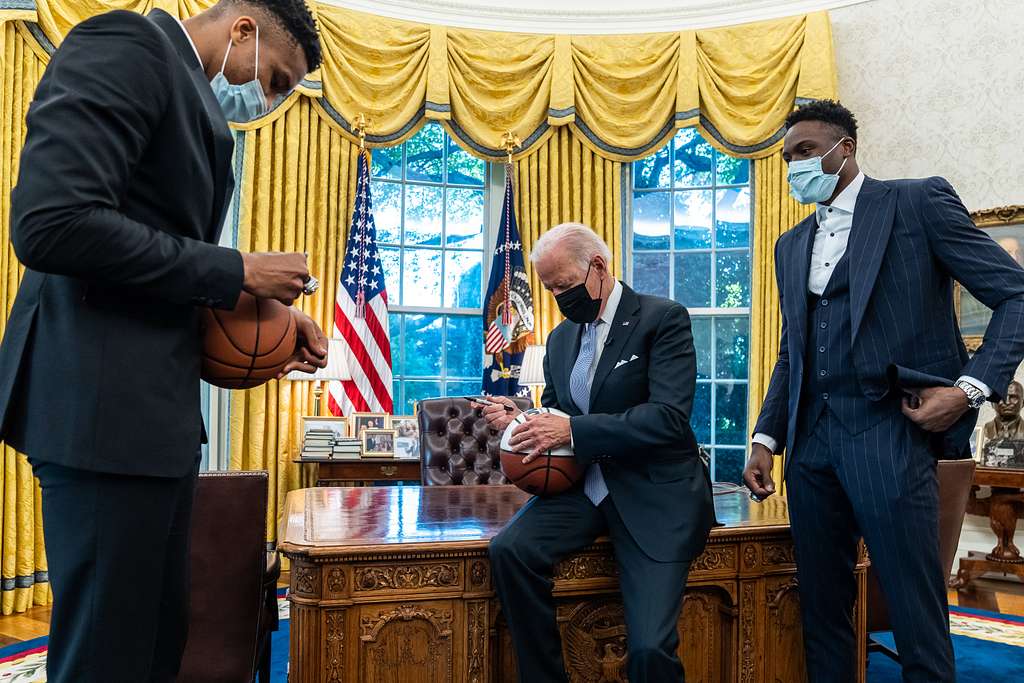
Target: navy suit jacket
910,240
638,425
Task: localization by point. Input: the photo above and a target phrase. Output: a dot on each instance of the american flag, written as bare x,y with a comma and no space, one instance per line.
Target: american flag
361,313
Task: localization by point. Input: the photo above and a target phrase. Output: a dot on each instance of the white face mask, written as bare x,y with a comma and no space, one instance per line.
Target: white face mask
809,183
244,102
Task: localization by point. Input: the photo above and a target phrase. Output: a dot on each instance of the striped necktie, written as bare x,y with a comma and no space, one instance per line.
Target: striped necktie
579,388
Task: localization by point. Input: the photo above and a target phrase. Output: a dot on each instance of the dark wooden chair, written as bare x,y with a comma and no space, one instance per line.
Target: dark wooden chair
234,581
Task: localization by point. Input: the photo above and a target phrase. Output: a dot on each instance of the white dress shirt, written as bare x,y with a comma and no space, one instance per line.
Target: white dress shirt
604,326
830,240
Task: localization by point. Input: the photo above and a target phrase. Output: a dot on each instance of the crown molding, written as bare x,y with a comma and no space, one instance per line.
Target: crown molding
593,17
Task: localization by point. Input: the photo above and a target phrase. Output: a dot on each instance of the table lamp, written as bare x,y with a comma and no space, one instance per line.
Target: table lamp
336,371
531,374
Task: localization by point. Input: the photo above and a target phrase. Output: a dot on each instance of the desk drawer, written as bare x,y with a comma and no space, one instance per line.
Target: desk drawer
368,470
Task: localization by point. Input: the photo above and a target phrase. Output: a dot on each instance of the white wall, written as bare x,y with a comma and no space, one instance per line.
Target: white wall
938,89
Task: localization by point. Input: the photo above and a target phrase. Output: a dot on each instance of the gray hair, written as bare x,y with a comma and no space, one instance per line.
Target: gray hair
580,240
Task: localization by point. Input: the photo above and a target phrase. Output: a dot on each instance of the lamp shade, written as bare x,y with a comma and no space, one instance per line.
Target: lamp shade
337,365
531,374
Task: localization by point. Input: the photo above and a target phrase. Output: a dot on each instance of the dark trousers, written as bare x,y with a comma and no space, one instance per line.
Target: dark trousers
879,484
523,556
118,557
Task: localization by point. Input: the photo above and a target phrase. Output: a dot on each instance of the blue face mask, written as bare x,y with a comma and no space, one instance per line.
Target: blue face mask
808,183
244,102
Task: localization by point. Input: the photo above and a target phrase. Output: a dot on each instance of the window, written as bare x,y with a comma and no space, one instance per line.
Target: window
690,241
430,208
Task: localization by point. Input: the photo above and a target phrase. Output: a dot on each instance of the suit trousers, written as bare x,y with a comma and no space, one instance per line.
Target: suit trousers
880,484
118,552
547,530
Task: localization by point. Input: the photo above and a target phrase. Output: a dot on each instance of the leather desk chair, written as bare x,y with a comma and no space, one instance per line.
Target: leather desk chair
456,445
955,480
234,581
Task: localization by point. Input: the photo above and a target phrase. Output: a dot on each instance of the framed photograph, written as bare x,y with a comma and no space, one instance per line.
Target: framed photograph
406,426
378,443
337,425
361,421
1006,226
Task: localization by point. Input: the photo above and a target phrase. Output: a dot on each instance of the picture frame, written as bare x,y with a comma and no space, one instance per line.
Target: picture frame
378,443
1005,224
407,426
338,425
361,421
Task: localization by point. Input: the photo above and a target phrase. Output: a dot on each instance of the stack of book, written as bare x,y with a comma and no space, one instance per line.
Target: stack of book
347,448
318,444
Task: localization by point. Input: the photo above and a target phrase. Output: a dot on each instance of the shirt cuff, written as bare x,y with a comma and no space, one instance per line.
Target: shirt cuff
766,441
982,387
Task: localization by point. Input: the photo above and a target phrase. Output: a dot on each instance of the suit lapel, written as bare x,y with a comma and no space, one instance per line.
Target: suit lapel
798,266
219,141
872,224
572,349
623,324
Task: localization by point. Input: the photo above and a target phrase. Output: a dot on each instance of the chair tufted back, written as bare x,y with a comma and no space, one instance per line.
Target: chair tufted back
456,445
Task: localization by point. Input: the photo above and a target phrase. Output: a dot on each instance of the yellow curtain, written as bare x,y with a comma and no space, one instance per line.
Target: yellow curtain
22,559
565,181
774,213
296,192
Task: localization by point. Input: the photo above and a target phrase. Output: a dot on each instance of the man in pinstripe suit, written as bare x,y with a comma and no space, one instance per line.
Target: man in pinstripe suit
873,384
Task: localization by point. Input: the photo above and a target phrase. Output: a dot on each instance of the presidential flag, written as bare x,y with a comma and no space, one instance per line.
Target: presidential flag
361,313
508,308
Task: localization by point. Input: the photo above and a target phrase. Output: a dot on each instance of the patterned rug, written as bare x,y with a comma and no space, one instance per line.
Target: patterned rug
989,649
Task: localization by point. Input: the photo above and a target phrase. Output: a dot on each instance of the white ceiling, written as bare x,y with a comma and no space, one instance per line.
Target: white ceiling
589,16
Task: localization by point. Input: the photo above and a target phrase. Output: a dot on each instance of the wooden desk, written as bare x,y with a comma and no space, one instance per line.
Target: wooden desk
358,472
1003,507
394,584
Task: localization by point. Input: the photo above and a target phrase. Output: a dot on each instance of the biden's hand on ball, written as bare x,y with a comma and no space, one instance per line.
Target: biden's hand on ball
273,275
497,417
935,409
541,432
310,347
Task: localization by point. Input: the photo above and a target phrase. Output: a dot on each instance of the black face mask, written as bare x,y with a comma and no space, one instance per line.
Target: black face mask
576,303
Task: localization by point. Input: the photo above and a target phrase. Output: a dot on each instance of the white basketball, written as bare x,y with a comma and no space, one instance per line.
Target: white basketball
565,450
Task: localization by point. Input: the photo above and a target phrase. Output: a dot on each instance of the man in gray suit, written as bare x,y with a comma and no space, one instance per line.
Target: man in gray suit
873,384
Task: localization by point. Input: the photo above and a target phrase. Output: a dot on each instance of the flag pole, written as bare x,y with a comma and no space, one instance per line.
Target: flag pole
362,185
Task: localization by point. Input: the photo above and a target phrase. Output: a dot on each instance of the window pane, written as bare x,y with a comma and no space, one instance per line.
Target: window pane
387,212
651,220
464,346
464,169
729,464
421,278
396,398
387,162
693,280
733,280
650,273
732,218
419,390
700,421
390,261
732,171
702,345
692,219
424,154
395,332
731,413
732,339
464,280
422,345
465,221
463,388
652,171
693,163
423,206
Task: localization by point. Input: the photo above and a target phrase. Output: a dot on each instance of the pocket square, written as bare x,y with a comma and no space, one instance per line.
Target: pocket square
624,361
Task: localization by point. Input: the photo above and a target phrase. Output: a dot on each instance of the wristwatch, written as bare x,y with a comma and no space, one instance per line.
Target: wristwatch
975,397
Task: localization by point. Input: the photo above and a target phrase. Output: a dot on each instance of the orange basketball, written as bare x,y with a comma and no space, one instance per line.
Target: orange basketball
245,347
553,472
